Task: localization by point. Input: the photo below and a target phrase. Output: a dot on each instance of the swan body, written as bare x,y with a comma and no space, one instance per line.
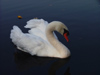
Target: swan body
40,39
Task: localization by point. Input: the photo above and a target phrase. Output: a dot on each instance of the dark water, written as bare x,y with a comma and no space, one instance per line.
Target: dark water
83,20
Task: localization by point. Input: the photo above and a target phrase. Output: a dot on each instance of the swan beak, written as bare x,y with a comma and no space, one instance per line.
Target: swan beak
66,36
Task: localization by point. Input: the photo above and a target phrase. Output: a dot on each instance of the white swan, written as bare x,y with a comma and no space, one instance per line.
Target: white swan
41,40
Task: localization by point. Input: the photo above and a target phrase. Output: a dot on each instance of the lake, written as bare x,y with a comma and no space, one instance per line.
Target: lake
82,17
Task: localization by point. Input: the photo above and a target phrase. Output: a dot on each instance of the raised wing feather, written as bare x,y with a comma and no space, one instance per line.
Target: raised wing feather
38,27
37,24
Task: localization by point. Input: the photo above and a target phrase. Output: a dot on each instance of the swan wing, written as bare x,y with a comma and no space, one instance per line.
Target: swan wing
38,27
26,42
37,24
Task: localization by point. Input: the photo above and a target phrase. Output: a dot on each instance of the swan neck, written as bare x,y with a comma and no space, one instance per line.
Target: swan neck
54,42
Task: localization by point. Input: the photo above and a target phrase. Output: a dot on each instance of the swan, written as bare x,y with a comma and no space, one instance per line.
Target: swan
40,39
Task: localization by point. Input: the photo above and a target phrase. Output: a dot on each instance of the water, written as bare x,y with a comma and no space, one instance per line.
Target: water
83,20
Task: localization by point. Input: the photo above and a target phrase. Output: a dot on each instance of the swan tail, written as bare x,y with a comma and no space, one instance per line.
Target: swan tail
16,33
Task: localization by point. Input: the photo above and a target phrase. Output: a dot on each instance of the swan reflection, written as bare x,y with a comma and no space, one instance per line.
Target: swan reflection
25,61
57,65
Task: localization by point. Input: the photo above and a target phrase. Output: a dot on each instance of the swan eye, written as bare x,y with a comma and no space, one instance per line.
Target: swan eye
66,31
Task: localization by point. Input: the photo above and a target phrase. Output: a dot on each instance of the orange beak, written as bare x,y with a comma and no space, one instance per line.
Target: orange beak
66,37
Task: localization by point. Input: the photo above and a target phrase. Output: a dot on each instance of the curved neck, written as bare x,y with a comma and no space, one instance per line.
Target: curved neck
54,42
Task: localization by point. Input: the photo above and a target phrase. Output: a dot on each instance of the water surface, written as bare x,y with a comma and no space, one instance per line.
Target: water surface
82,17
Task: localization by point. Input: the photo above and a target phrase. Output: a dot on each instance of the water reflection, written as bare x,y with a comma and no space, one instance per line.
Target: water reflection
25,61
57,65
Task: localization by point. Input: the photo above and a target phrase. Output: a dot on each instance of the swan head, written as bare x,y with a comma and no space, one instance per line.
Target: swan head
60,27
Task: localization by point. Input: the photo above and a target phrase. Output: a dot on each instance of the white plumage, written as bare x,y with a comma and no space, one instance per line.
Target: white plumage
36,41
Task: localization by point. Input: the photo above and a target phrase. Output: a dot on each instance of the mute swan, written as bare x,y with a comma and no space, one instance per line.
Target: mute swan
41,40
